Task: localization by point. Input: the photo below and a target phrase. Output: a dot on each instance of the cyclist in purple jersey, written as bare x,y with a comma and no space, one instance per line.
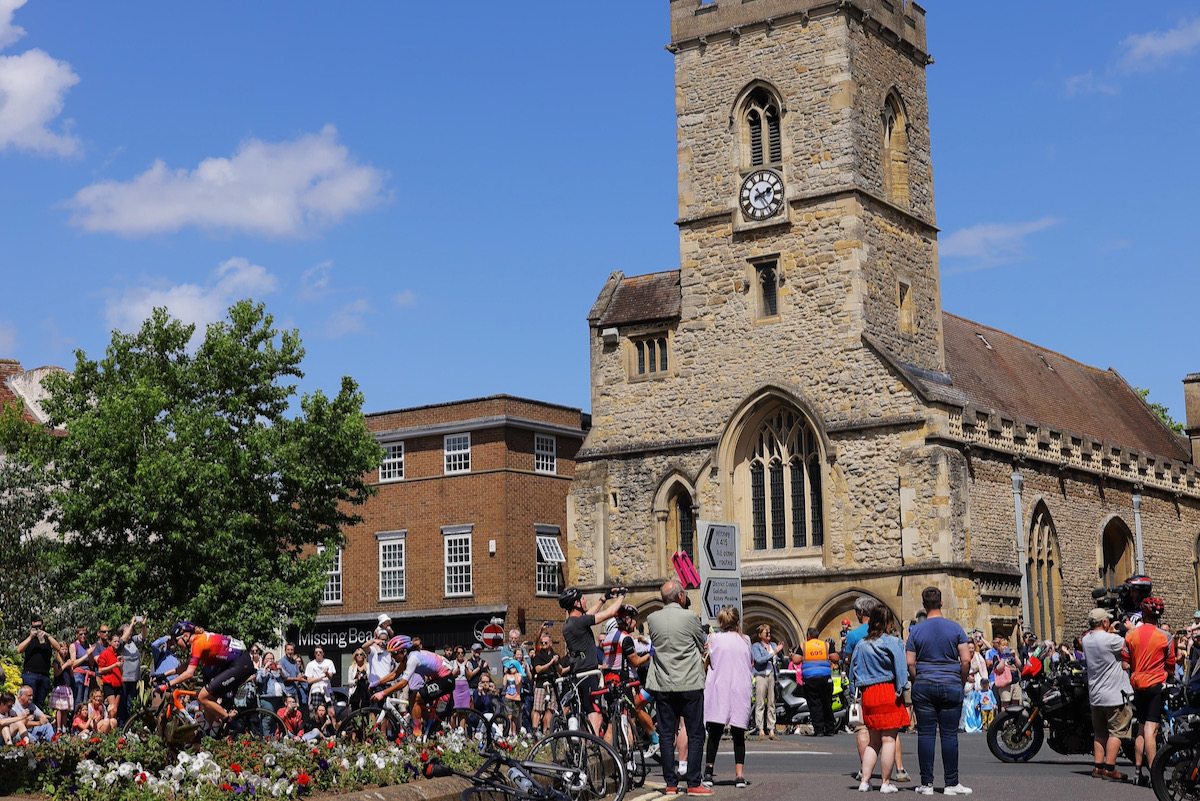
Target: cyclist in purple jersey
438,680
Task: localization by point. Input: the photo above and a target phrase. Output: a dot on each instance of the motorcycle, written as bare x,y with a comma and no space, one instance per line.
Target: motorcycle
1055,703
1175,772
791,705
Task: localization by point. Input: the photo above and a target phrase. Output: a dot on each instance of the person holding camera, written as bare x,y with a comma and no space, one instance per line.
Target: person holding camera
39,649
581,642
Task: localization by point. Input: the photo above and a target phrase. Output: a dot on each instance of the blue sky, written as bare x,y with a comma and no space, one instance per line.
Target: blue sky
434,199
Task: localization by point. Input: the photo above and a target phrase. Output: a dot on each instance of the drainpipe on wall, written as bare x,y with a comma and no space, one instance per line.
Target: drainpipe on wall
1017,483
1137,531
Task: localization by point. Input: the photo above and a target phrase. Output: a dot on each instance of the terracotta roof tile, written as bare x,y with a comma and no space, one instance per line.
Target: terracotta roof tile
644,298
1001,372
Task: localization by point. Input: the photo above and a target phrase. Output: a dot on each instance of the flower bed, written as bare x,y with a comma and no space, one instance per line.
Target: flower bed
126,768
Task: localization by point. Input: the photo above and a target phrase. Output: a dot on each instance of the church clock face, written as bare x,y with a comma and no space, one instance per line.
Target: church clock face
761,196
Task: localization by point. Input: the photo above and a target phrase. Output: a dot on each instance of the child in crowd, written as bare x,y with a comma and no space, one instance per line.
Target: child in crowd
987,703
80,724
512,690
972,723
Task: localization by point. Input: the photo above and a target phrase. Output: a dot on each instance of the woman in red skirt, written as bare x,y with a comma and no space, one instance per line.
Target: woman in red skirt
879,671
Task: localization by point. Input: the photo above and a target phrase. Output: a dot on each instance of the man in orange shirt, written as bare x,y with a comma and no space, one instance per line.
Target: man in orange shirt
1149,655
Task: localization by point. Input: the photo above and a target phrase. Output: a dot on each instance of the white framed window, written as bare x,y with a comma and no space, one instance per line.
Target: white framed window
545,453
392,466
391,565
457,450
333,579
549,556
457,550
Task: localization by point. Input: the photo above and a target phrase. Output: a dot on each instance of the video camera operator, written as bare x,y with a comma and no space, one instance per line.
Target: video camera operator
1125,601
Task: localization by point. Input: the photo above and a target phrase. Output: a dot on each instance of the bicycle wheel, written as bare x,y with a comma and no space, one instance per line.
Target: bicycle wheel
370,724
256,724
579,765
480,727
626,745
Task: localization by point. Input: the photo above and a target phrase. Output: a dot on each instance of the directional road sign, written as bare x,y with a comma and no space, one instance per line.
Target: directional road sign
719,593
721,547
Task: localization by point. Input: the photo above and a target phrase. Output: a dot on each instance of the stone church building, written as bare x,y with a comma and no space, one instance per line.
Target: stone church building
797,375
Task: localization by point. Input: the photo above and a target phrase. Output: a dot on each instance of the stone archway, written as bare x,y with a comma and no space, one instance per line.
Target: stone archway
759,608
840,606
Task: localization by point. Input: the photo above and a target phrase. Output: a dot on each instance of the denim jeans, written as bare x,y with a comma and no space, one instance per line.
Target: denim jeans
688,706
938,708
40,683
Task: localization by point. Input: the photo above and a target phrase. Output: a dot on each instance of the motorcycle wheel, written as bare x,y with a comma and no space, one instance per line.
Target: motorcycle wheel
1008,742
1171,773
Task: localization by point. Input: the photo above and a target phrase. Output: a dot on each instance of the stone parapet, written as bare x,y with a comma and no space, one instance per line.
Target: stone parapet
988,428
691,20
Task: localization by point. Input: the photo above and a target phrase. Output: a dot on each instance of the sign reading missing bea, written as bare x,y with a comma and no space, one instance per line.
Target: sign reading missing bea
342,639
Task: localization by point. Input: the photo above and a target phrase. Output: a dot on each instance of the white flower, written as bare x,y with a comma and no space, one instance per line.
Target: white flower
361,762
111,777
127,769
269,760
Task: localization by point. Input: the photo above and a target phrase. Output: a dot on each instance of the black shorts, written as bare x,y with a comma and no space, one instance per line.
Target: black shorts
109,690
230,677
1148,704
434,689
587,702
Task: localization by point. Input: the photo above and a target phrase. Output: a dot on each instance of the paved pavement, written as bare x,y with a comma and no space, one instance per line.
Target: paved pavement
807,767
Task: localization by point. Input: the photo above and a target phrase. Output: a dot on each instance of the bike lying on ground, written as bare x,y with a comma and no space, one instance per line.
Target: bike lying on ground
562,766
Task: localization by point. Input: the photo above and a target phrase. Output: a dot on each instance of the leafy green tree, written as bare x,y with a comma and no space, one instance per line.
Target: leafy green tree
184,489
1161,410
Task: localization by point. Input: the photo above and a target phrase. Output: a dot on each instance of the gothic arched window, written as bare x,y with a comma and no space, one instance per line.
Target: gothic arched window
681,523
763,134
785,484
1116,553
1043,571
895,151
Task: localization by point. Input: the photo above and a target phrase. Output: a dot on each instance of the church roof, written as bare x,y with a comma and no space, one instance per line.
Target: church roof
644,299
985,367
998,371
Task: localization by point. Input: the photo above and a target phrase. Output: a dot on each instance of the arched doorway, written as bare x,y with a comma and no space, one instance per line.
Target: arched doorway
759,608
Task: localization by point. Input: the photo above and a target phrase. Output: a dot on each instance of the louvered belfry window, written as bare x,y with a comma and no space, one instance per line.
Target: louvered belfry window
762,120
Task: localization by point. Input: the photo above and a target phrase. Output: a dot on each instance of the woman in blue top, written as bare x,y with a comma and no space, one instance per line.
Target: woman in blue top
878,668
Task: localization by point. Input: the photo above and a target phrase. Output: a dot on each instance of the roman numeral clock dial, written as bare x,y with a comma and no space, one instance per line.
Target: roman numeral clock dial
761,195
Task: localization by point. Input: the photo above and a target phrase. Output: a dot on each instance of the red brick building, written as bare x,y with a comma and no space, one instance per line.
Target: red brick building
467,526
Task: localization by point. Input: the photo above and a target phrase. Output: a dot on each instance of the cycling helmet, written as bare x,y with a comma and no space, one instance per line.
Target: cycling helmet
400,642
569,597
627,610
182,627
1153,606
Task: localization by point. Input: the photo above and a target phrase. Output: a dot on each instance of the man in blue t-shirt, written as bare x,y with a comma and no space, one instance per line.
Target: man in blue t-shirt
939,662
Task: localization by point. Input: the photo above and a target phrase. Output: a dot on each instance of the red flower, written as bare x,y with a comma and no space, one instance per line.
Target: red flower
316,752
399,736
95,740
141,778
302,780
228,787
235,767
121,741
329,744
424,756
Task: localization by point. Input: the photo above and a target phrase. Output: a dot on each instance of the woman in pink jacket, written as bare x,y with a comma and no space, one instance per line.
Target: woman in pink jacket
727,692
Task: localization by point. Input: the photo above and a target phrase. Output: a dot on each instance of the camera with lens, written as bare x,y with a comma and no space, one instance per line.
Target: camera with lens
1125,599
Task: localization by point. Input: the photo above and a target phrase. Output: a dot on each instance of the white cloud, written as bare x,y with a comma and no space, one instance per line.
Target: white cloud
314,283
235,279
990,244
405,298
272,189
1088,84
8,340
348,319
9,33
1147,50
32,87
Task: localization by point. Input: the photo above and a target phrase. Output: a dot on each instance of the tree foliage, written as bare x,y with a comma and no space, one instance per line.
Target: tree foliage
184,489
1161,410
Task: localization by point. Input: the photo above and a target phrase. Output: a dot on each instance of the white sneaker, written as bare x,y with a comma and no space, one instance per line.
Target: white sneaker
864,787
652,750
888,787
957,789
924,789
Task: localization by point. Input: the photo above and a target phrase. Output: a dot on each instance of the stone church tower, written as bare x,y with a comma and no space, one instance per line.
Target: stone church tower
796,374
